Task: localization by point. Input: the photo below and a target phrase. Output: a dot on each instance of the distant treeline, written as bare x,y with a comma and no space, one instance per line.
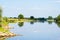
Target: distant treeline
50,18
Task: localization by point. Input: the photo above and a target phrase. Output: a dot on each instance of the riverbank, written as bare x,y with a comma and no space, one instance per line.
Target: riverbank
6,34
20,20
4,30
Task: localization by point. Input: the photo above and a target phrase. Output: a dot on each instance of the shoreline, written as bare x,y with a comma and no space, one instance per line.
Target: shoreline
5,34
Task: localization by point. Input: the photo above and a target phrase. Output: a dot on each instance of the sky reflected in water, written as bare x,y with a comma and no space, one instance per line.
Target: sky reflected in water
37,31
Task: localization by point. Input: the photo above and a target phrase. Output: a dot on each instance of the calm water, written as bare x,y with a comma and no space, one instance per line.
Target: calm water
36,31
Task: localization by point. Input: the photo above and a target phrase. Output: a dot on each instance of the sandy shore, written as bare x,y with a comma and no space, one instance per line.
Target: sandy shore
7,34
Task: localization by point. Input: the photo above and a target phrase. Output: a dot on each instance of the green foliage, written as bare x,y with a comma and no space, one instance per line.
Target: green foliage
20,16
31,17
5,18
10,17
11,21
0,12
0,17
50,17
4,22
15,17
58,17
3,30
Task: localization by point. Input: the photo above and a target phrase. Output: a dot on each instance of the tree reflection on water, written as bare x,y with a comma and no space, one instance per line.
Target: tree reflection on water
20,24
58,24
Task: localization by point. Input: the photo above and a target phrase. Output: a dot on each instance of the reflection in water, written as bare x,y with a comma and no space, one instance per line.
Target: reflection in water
49,22
31,22
58,24
4,31
2,38
41,21
20,24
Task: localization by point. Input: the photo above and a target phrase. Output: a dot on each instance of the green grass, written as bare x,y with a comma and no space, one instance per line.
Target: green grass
4,24
3,30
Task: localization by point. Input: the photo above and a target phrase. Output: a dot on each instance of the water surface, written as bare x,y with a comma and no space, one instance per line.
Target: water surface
36,31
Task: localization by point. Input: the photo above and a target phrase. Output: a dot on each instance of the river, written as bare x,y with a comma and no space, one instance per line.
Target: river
35,31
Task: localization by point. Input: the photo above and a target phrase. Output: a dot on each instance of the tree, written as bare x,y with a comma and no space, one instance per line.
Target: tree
10,17
0,13
50,17
31,17
20,16
58,17
5,18
15,17
0,17
42,19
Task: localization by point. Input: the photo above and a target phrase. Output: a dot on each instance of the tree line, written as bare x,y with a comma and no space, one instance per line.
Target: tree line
21,16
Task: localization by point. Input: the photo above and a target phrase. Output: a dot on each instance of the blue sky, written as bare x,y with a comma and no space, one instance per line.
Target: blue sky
36,8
